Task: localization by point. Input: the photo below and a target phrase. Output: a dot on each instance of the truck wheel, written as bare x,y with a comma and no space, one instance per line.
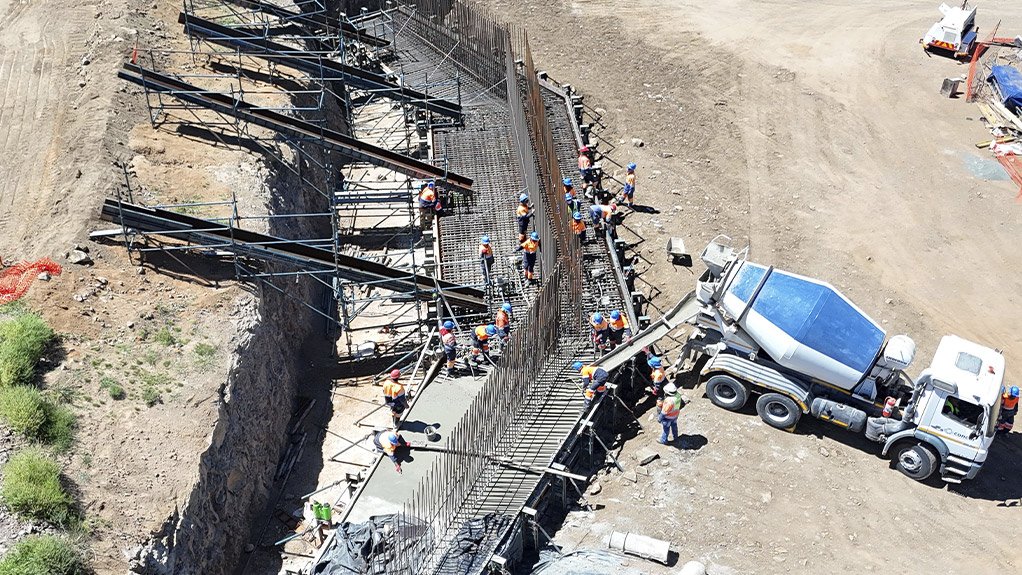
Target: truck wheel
778,410
727,392
915,461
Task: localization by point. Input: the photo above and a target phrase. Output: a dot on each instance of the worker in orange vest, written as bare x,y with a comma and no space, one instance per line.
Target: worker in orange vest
480,341
450,343
594,380
486,258
669,411
603,215
629,191
601,330
427,204
574,204
578,226
529,248
523,215
657,375
394,396
618,329
388,442
502,322
1009,408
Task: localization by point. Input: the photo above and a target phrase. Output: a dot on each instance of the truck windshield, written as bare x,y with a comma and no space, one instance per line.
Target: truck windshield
968,414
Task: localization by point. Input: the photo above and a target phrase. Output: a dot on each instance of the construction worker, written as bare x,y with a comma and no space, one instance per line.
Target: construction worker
578,226
502,322
669,411
480,342
427,204
529,248
450,343
594,380
485,258
523,214
388,442
601,330
629,191
394,396
1009,409
602,215
585,164
657,375
618,329
574,204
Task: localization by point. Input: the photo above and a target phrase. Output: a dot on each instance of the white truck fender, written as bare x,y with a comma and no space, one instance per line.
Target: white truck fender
914,433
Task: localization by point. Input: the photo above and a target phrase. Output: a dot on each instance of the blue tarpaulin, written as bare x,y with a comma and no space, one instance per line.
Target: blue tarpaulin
1009,81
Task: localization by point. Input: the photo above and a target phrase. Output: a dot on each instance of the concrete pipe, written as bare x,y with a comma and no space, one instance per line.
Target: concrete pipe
645,547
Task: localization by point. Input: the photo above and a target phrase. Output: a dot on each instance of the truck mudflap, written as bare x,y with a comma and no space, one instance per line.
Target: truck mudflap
758,375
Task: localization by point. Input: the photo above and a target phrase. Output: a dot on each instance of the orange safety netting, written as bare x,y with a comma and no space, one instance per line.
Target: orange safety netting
15,280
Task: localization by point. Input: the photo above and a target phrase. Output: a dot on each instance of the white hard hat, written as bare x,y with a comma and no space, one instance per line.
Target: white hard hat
670,388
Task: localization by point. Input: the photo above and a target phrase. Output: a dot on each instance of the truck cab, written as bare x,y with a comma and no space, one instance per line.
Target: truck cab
956,33
955,413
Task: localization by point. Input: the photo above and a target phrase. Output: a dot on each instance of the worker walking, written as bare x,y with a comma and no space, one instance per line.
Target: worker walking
394,396
427,204
578,227
388,442
502,321
657,375
480,342
486,258
1009,409
450,343
601,330
529,248
669,411
594,380
629,191
523,214
618,329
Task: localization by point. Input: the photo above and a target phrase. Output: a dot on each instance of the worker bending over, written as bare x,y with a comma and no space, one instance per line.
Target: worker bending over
529,248
502,321
629,191
388,442
578,227
523,214
480,342
394,396
486,258
594,380
1009,409
602,215
450,343
601,331
670,408
618,329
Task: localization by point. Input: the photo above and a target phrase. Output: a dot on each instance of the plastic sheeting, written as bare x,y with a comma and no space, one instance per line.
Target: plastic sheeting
1009,82
584,562
464,555
353,547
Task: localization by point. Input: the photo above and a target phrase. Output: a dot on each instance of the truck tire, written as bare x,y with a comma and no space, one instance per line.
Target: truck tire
778,410
727,392
915,460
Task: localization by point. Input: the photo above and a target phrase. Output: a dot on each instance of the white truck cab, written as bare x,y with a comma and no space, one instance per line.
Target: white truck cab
956,32
955,413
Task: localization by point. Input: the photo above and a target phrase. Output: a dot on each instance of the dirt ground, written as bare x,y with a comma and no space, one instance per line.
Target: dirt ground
814,132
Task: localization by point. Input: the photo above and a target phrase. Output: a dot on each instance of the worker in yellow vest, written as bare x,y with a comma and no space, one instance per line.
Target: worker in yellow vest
601,330
594,380
618,329
388,442
529,248
486,258
629,191
657,375
669,411
480,342
394,396
523,215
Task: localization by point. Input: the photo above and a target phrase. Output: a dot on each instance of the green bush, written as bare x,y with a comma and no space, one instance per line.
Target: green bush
165,337
44,555
151,395
112,387
23,409
32,488
23,339
59,430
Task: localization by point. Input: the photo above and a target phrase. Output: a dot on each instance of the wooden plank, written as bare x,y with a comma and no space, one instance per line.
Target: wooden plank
991,117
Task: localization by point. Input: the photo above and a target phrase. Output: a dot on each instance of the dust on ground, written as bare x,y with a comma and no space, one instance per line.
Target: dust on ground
815,133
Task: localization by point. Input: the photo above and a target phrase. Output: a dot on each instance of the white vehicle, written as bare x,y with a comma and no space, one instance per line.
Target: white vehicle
804,348
955,33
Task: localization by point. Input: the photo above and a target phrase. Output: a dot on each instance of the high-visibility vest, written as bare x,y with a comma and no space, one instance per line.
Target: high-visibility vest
606,211
671,407
393,390
427,198
578,226
481,333
522,211
485,251
388,447
630,181
502,319
658,375
599,326
619,324
1008,402
530,246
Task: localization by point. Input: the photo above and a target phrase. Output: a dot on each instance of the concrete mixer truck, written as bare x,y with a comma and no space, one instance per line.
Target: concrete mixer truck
796,346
